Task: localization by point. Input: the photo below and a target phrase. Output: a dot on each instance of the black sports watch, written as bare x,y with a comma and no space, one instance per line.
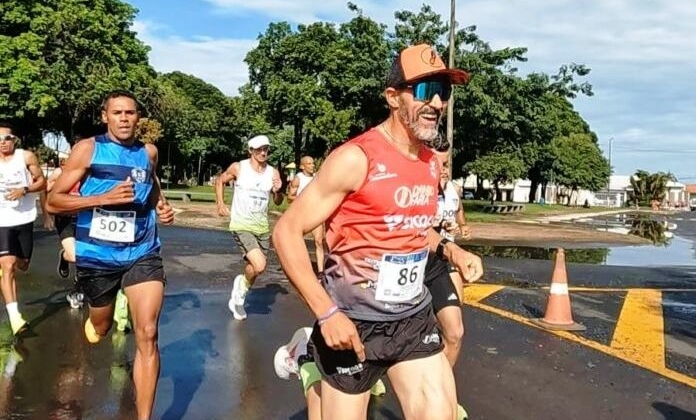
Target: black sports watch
26,190
440,250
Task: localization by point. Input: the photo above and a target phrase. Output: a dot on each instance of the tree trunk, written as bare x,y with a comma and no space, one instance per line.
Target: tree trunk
480,193
544,185
532,190
297,141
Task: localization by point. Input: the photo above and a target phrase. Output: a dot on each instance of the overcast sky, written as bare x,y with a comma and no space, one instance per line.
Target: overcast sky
641,54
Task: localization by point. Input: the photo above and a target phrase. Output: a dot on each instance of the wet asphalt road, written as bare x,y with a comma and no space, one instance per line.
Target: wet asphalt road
214,367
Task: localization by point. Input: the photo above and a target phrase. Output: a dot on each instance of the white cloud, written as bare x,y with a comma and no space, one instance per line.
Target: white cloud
640,53
217,61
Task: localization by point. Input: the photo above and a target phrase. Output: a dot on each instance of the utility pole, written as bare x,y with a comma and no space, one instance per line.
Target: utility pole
611,145
450,102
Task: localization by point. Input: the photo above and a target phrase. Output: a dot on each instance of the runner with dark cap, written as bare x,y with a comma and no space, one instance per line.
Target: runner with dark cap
378,196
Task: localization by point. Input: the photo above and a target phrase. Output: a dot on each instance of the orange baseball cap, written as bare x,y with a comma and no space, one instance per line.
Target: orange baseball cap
421,61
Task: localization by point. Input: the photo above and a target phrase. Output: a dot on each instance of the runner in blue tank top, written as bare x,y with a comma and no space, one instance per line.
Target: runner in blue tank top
117,244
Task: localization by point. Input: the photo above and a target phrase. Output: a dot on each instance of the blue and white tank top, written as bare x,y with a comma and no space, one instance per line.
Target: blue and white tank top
116,236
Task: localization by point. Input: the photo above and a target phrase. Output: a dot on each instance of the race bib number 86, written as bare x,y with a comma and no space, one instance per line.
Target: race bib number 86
401,276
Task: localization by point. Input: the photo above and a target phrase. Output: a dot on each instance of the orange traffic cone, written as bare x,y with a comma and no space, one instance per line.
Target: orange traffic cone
558,312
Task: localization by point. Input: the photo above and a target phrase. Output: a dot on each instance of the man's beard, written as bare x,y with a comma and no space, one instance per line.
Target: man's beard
426,135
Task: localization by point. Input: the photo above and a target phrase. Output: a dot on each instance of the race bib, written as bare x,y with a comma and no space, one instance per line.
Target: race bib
401,276
113,226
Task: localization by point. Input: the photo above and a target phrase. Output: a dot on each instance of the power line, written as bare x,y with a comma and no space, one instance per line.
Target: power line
645,150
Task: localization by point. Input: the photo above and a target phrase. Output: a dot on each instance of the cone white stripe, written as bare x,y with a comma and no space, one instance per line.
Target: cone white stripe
559,289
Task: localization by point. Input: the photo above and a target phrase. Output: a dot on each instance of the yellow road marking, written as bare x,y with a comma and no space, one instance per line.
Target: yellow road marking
639,333
622,353
478,292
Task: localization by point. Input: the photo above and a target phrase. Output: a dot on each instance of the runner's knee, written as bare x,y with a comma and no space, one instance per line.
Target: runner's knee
432,406
8,265
146,332
257,262
453,334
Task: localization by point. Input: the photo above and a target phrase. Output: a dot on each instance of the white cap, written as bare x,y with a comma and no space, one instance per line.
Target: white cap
258,141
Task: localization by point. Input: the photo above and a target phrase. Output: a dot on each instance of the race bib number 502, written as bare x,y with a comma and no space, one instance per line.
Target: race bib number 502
113,226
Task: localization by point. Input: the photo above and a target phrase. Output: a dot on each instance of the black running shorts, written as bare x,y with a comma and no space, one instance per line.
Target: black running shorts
17,241
386,344
65,225
438,281
101,286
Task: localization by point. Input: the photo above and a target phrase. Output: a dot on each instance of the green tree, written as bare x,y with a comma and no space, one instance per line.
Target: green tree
59,57
194,116
576,162
498,167
647,187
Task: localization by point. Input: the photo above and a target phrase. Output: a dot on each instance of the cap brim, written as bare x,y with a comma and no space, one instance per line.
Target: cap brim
455,76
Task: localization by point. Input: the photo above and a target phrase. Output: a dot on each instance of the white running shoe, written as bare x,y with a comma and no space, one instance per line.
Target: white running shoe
236,302
285,359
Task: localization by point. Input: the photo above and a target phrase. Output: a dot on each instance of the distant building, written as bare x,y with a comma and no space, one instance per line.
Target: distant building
616,194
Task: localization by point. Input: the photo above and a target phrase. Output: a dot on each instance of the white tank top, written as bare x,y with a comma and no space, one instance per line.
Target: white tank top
447,207
249,209
15,174
304,181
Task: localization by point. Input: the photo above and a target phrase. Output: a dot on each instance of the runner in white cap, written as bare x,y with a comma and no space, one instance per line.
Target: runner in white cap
254,182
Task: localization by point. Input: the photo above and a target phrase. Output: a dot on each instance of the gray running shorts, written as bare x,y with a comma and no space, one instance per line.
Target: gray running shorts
248,241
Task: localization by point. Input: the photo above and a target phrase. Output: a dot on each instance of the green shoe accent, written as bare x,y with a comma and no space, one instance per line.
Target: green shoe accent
461,413
378,389
309,375
121,312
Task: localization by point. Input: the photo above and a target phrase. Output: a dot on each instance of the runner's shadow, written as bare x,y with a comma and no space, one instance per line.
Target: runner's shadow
183,301
300,415
671,412
184,362
259,300
52,304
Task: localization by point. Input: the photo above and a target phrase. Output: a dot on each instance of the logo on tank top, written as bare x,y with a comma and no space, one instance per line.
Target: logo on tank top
399,221
138,175
381,173
419,195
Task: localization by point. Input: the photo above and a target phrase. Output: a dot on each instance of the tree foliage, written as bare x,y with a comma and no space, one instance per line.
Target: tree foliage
310,87
576,162
647,187
59,57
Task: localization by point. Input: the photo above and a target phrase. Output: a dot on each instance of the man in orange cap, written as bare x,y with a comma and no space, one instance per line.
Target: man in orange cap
377,195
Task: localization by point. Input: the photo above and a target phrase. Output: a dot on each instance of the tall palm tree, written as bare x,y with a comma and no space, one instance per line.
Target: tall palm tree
647,187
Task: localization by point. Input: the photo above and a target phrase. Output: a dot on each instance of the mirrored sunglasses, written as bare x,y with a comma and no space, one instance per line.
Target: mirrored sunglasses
8,137
426,90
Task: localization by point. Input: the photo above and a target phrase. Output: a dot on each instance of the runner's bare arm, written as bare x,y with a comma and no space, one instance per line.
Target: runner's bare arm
156,193
76,167
276,190
343,172
230,174
469,265
464,228
292,189
157,198
39,180
51,180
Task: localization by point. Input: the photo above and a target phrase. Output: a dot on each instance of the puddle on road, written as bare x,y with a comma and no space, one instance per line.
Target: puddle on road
667,249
